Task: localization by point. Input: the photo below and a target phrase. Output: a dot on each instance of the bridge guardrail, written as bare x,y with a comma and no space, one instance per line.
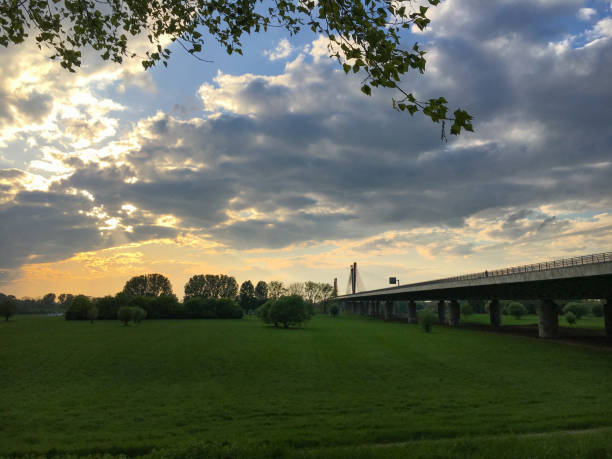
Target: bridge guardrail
604,257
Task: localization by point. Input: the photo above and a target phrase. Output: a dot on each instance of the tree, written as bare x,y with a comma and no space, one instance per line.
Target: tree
8,308
125,314
296,289
570,317
49,299
578,309
334,310
516,309
79,308
261,291
148,285
289,311
466,309
138,314
275,290
92,313
364,35
65,298
211,286
247,295
597,310
107,307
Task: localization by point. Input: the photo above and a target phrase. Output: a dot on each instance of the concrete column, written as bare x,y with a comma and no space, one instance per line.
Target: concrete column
495,313
607,310
441,311
412,313
548,323
454,316
388,309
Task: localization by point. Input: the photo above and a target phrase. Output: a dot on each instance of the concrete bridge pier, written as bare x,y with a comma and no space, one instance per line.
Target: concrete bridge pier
495,313
548,319
454,316
388,310
607,311
441,311
412,312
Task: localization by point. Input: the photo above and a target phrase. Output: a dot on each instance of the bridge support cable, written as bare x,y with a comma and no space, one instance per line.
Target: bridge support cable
495,313
548,319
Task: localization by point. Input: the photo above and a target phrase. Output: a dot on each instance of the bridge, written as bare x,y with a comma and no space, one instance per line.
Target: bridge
585,277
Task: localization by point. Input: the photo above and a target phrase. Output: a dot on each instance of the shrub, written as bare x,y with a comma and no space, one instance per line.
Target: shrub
516,309
8,308
107,307
578,309
226,308
288,311
570,317
92,313
426,320
334,310
200,308
597,310
263,311
138,314
79,308
125,314
466,309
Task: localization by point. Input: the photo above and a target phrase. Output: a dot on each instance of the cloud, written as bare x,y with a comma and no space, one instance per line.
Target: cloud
586,14
302,159
282,50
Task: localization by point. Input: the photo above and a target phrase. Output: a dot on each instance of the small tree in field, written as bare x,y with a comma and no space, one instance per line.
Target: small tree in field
334,310
426,320
289,311
125,314
8,308
578,309
92,314
516,309
466,309
570,317
138,314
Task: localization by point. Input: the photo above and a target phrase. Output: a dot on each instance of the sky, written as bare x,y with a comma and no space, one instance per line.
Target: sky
274,166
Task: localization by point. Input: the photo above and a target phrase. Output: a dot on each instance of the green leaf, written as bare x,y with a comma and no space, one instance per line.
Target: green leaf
366,90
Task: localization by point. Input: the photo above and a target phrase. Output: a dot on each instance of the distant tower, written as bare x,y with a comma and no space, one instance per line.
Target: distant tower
335,286
354,278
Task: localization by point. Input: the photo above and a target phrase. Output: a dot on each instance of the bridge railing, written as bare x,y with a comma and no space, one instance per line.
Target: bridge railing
604,257
563,263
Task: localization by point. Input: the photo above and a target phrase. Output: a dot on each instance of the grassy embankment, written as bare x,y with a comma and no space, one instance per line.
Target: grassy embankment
338,387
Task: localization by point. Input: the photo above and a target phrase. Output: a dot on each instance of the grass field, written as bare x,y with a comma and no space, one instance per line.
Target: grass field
338,387
584,322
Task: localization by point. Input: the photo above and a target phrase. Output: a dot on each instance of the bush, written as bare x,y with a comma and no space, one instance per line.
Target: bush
426,320
8,308
466,309
263,311
570,317
226,308
289,311
107,307
79,308
92,313
577,309
597,310
125,314
138,314
334,310
516,309
200,308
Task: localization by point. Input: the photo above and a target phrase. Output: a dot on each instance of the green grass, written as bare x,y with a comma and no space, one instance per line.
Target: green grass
343,384
584,322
